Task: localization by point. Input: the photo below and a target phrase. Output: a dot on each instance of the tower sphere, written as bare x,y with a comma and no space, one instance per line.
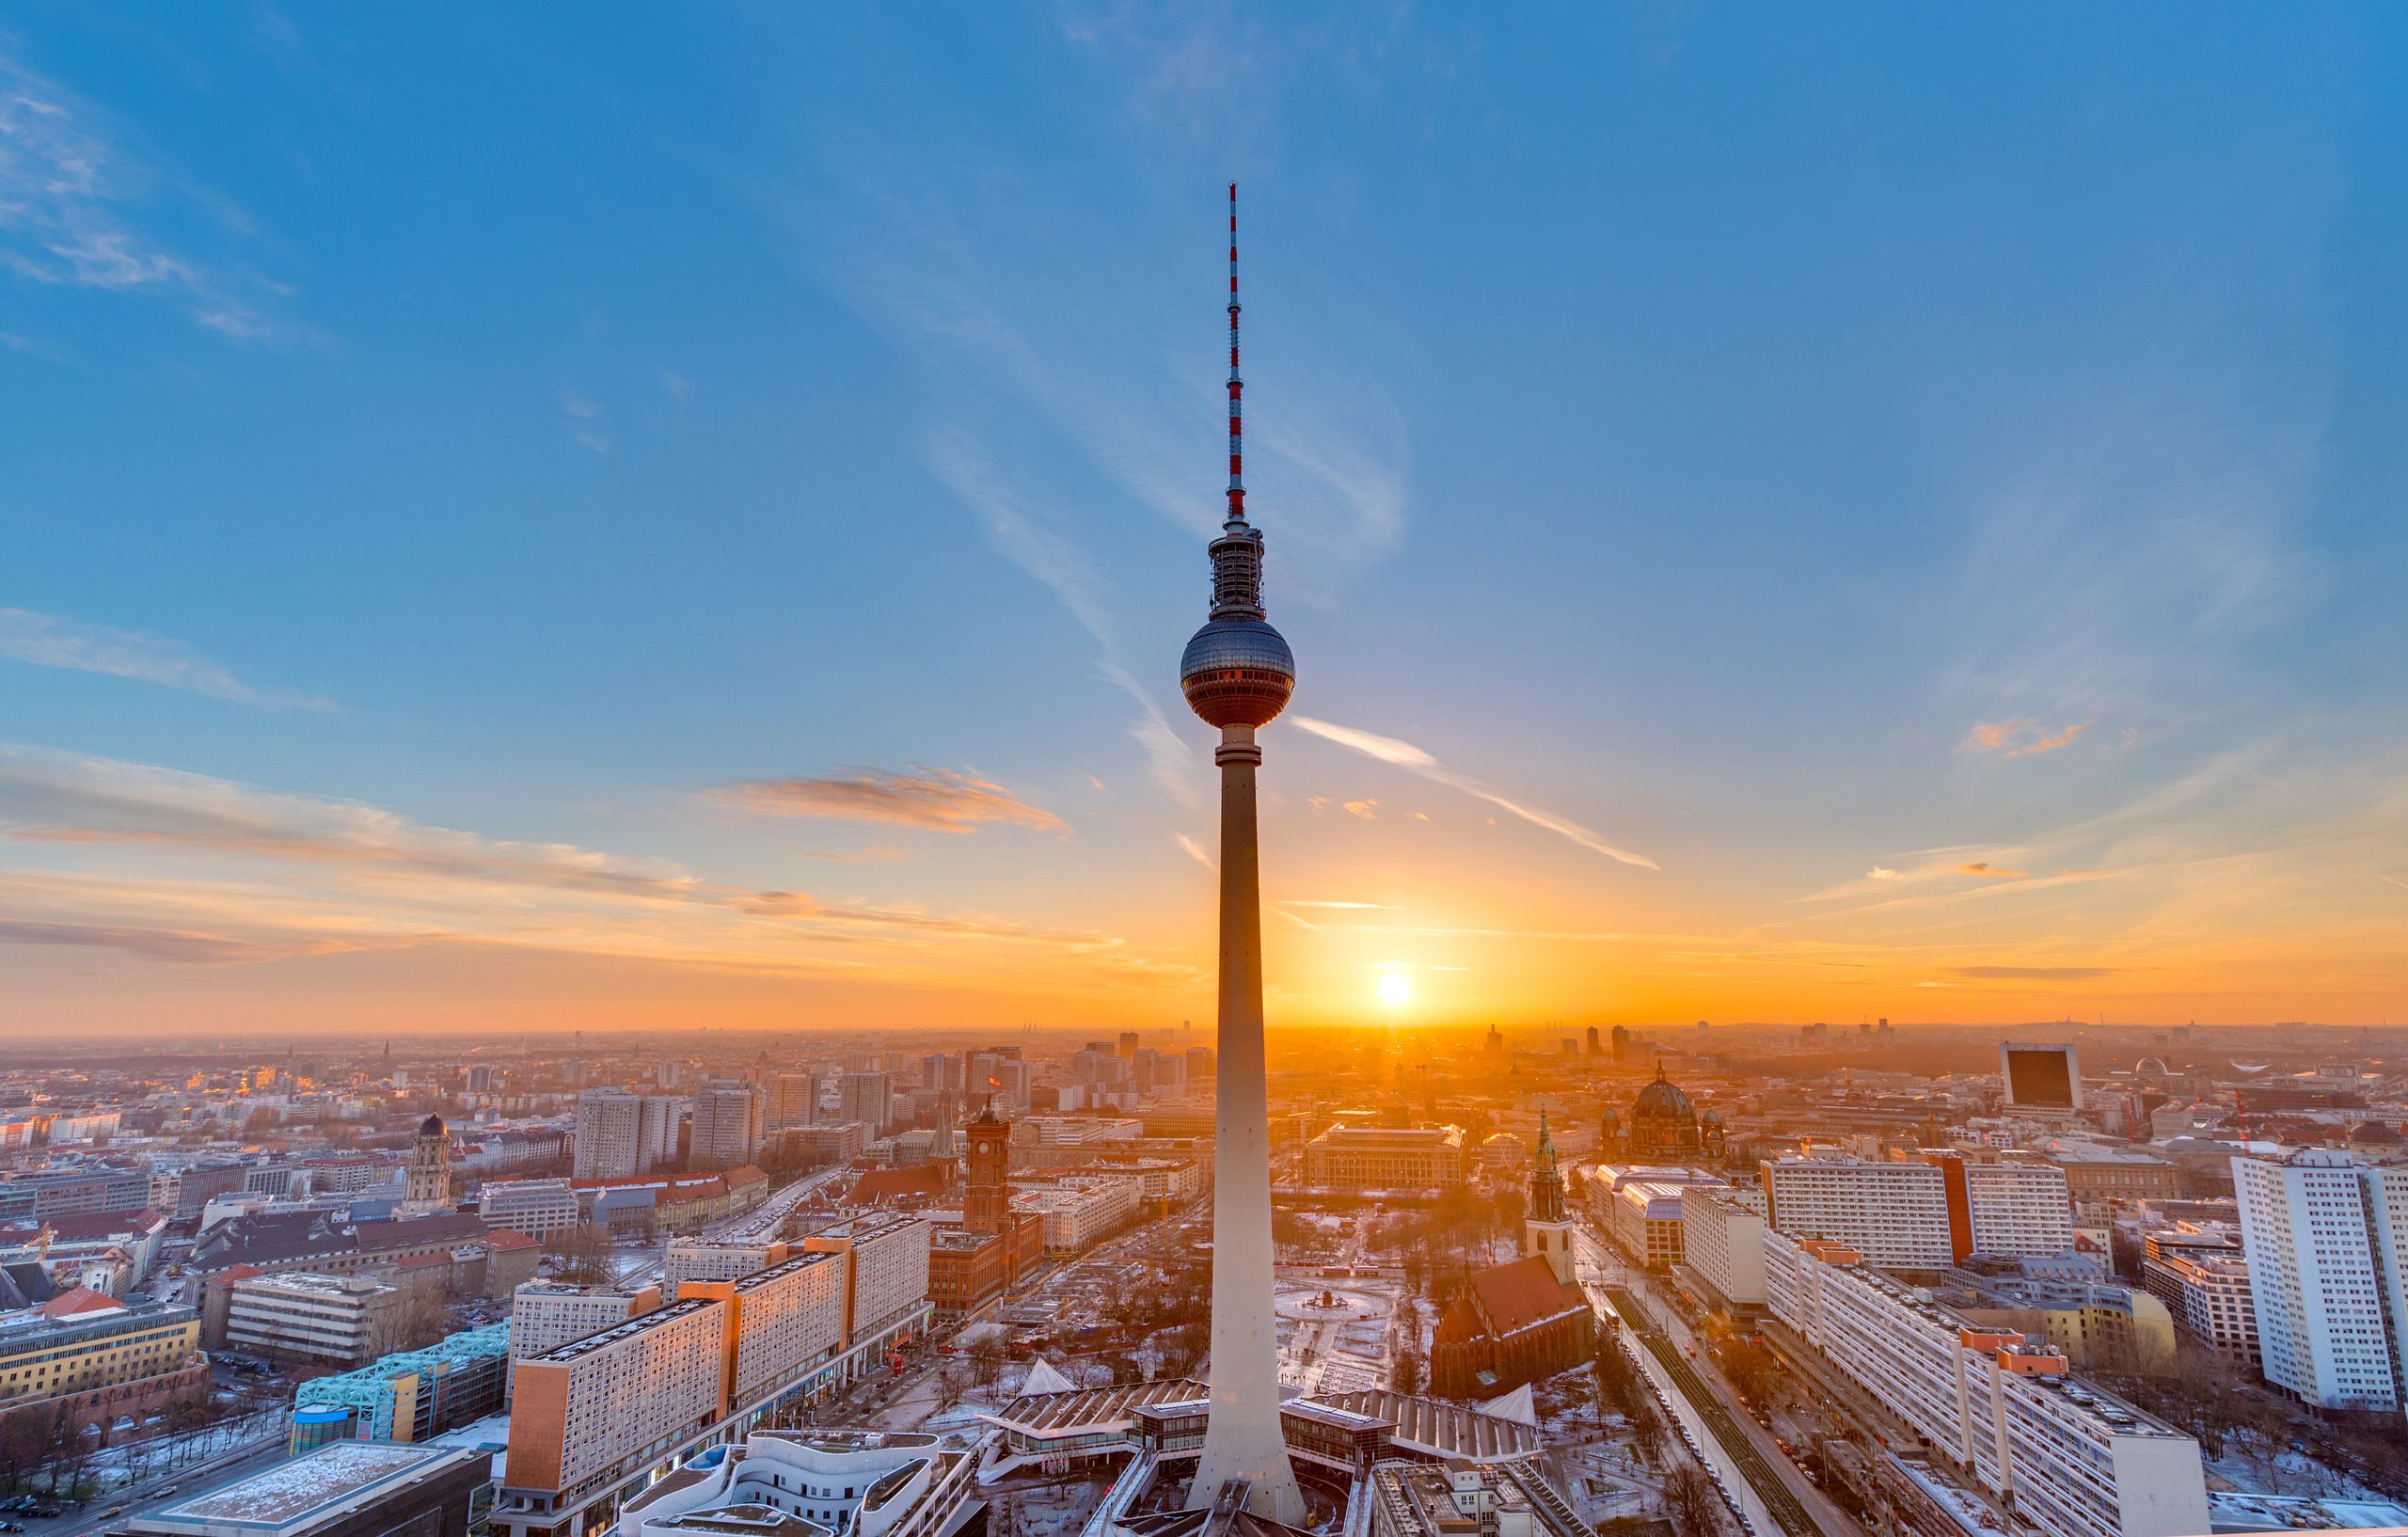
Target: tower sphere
1237,673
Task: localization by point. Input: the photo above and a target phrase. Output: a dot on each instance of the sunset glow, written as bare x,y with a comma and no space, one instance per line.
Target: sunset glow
1751,577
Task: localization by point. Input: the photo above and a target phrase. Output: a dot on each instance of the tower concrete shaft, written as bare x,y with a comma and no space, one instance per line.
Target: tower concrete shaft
1243,1438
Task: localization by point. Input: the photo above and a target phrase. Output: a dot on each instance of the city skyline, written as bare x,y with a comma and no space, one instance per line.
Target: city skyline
1773,544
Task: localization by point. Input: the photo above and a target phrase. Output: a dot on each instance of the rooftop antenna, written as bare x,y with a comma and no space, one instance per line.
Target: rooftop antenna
1236,385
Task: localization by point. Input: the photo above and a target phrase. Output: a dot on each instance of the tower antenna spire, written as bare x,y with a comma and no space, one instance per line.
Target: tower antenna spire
1236,385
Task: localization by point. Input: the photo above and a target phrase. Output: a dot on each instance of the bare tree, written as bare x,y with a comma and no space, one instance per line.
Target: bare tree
1693,1503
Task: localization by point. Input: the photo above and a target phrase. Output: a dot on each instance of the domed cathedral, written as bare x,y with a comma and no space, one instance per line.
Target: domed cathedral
1663,1127
427,1187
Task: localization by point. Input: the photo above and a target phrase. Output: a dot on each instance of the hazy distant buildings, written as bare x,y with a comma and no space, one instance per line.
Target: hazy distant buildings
794,1100
2324,1236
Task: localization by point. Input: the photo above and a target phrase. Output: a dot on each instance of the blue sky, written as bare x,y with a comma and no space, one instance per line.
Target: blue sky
1929,486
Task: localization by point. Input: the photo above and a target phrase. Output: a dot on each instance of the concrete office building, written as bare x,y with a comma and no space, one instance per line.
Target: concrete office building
2324,1236
344,1320
1364,1158
538,1207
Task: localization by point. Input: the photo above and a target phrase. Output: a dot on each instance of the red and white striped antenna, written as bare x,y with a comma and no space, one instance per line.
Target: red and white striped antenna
1236,385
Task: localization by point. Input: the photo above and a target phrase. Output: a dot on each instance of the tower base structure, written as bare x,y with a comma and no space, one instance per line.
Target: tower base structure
1244,1440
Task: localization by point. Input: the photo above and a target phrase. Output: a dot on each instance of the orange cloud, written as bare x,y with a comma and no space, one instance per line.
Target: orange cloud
1365,809
2018,738
937,800
1987,870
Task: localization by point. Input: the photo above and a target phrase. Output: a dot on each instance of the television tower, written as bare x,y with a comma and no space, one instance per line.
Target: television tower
1237,673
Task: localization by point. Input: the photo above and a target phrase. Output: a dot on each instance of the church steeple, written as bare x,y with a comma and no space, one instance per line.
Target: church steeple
1547,1233
1546,1182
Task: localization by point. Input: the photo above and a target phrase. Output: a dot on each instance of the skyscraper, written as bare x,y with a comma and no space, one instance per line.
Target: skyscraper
1237,673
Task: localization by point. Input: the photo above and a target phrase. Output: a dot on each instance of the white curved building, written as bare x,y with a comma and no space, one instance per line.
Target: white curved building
801,1483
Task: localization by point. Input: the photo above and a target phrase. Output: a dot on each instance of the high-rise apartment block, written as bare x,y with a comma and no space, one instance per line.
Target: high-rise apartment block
621,1135
727,1124
611,1400
794,1100
887,1255
2324,1236
2004,1210
1893,1214
868,1097
2071,1459
546,1315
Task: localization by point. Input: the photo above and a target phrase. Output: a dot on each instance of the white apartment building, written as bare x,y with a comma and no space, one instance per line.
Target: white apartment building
1724,1244
544,1315
862,1484
621,1136
726,1128
307,1315
606,1402
868,1098
538,1207
2071,1459
2323,1235
788,1317
2199,1272
2018,1211
1893,1214
700,1259
888,1268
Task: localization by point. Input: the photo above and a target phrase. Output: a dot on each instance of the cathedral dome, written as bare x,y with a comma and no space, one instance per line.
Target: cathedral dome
1661,1097
432,1126
1663,1122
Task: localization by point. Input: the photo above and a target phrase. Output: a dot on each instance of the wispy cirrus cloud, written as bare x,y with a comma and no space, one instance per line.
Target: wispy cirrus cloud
168,865
1989,872
48,641
1194,850
936,799
2033,973
68,191
584,420
1405,756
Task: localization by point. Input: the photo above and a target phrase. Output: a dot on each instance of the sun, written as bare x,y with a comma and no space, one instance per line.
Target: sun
1395,988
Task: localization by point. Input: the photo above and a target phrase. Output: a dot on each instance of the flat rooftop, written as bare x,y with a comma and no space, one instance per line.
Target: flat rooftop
302,1492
